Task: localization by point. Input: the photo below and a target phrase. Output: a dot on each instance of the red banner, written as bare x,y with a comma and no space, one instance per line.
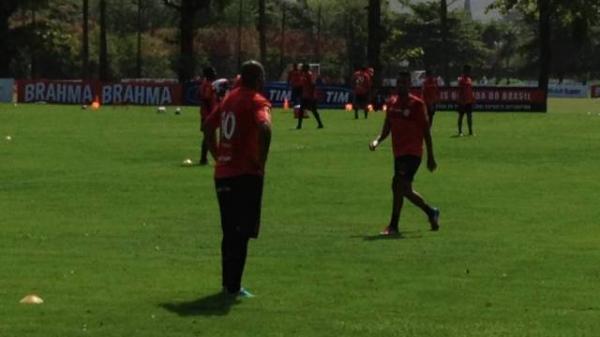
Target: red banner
495,99
85,92
596,91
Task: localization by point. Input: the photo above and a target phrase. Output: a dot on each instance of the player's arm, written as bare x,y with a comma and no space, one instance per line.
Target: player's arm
264,133
385,132
431,164
210,131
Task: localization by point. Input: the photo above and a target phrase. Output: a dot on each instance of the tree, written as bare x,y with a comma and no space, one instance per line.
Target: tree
416,38
577,15
187,10
138,59
103,57
7,47
444,36
85,49
375,39
261,26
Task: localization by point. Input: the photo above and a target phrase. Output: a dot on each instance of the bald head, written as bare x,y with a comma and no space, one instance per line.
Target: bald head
253,75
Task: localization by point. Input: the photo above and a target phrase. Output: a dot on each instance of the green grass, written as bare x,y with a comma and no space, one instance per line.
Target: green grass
98,217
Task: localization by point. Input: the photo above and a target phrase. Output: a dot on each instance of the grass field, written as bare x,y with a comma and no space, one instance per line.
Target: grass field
98,217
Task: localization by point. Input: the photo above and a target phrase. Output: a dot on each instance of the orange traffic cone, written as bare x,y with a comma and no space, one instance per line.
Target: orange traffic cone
286,104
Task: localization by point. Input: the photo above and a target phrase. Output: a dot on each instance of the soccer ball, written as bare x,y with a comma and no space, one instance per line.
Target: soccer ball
178,111
187,162
161,109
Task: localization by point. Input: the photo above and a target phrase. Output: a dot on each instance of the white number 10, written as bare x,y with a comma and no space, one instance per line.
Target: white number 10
228,125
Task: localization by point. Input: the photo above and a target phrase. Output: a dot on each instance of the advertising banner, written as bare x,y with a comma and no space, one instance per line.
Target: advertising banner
85,92
6,90
509,99
278,92
169,93
525,99
327,96
568,90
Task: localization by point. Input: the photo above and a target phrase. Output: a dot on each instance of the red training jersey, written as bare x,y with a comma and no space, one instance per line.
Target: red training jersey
308,85
361,82
408,122
430,91
208,98
238,117
295,78
465,90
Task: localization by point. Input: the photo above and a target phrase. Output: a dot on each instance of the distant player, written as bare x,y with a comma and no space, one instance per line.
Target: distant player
466,99
309,97
221,87
208,101
361,88
431,94
244,120
295,82
406,120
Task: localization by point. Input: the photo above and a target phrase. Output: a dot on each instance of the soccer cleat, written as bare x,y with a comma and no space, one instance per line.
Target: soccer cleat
389,231
434,220
244,293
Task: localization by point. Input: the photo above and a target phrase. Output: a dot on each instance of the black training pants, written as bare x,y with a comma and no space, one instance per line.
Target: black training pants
240,203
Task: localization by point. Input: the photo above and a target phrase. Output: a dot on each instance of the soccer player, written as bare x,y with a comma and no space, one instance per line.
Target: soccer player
430,93
295,82
309,97
466,99
406,120
208,101
361,87
244,120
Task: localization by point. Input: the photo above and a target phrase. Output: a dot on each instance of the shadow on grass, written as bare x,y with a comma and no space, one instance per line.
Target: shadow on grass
218,304
401,236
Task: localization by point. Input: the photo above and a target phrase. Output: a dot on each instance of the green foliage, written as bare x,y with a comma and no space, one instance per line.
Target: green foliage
504,48
416,37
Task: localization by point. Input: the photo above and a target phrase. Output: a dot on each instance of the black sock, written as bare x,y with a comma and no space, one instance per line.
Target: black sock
394,221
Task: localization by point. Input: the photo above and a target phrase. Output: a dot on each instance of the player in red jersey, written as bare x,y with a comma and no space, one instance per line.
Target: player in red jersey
361,87
466,99
295,82
309,97
244,120
406,120
430,93
208,101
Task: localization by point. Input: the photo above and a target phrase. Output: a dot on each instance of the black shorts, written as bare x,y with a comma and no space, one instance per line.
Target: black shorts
296,95
465,108
405,167
308,104
361,101
240,200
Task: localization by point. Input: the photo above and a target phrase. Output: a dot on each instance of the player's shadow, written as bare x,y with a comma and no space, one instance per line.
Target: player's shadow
402,236
218,304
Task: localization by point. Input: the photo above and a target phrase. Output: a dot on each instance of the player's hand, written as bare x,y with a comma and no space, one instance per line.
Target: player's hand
373,145
431,164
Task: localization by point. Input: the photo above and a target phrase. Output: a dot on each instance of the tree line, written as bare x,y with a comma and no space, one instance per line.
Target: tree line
110,39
